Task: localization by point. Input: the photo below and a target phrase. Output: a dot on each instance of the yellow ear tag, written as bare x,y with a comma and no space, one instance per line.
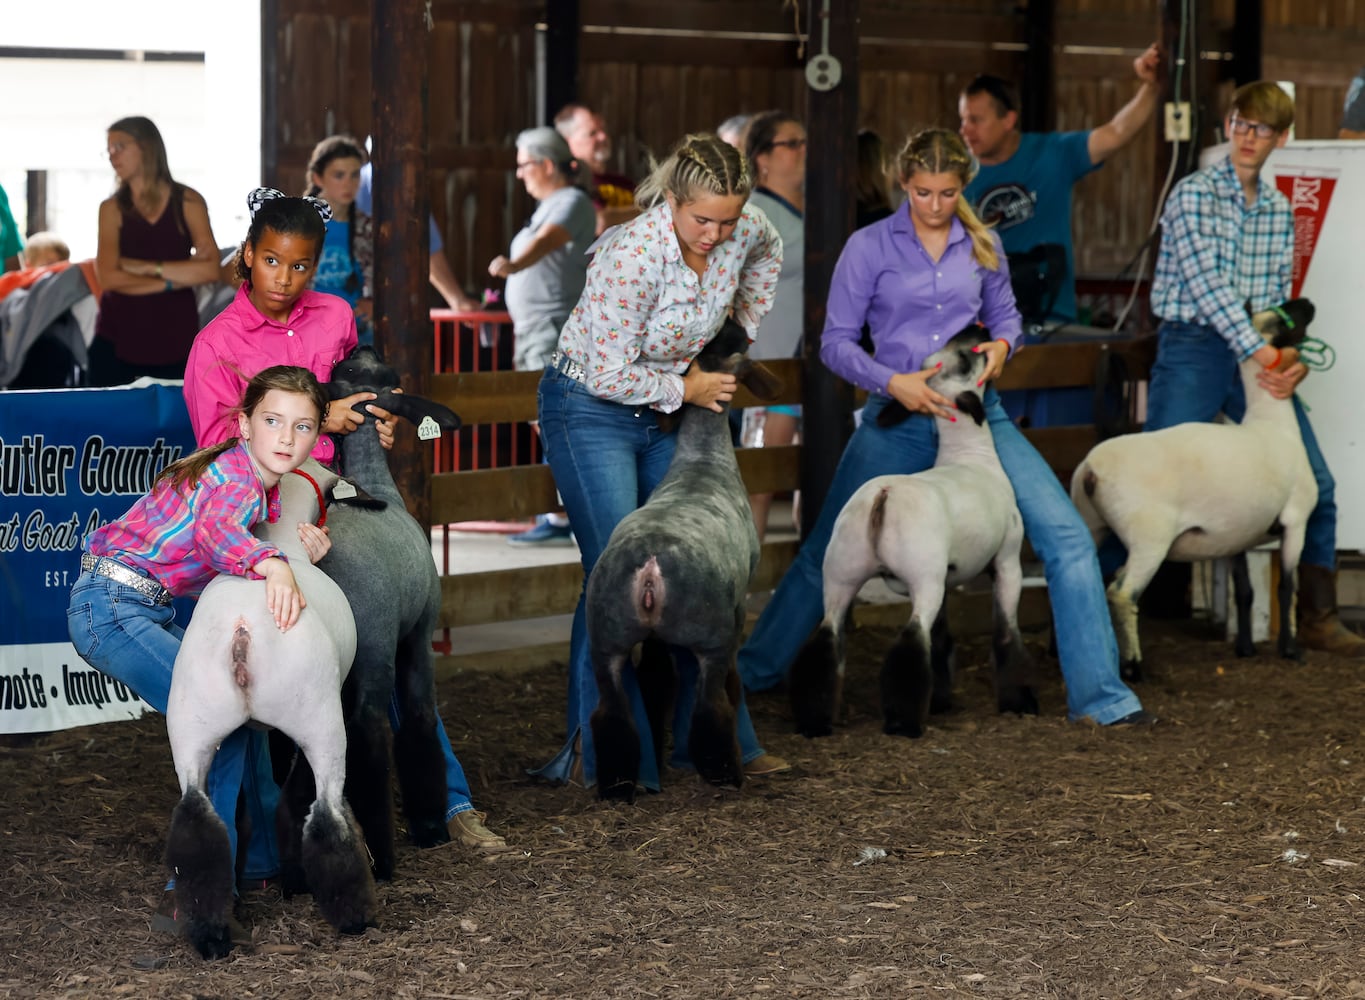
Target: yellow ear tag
428,429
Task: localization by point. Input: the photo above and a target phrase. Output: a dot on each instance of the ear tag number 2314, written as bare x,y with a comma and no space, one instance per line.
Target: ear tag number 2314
428,429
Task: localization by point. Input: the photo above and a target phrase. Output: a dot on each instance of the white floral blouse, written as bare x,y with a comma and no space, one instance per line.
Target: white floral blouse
644,314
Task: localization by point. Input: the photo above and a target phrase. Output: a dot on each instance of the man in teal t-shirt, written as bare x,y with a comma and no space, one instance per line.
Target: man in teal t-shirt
1024,185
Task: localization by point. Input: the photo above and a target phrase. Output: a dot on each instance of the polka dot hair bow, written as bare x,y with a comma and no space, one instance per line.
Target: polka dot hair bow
261,195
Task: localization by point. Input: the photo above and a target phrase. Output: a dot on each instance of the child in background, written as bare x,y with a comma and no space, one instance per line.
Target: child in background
194,524
346,264
275,317
44,249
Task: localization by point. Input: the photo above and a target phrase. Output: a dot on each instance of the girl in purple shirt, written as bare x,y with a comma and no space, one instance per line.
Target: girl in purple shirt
194,524
916,279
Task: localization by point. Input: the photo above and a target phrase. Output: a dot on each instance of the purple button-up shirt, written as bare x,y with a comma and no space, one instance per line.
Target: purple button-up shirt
912,304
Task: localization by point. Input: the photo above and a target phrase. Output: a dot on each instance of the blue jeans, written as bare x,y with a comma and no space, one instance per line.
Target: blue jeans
457,785
1085,638
1196,376
134,640
607,458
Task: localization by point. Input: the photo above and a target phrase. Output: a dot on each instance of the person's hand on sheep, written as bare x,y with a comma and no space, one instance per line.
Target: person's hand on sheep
911,390
997,352
1284,378
708,389
385,423
282,594
317,542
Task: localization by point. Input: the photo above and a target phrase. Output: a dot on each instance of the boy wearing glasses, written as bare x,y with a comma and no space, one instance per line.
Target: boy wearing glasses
1227,242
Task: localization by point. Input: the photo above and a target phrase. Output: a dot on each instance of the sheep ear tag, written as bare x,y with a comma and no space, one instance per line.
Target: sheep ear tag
342,490
428,429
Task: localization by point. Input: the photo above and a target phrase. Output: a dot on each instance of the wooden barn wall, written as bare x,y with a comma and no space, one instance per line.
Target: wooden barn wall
481,92
659,70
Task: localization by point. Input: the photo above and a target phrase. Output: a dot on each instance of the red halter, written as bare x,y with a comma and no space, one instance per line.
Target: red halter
322,504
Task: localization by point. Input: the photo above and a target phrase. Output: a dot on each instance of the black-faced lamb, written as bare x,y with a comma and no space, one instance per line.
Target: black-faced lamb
676,572
931,530
381,559
235,665
1206,491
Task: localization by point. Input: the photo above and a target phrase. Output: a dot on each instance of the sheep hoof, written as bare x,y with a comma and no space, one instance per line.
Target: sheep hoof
210,940
814,728
903,727
293,882
1020,700
618,790
428,833
1289,649
1131,670
1244,649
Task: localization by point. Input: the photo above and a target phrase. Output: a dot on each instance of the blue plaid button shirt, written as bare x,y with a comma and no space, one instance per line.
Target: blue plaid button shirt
1217,255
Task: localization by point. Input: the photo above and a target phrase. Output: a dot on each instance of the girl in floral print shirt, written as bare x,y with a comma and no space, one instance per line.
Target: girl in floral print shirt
658,289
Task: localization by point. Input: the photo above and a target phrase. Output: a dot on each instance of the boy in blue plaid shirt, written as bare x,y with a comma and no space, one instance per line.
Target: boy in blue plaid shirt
1227,241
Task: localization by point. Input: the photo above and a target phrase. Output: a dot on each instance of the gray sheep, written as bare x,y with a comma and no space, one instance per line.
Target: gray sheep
381,559
676,571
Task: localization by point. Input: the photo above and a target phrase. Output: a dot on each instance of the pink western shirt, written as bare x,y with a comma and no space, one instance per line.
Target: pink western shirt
239,342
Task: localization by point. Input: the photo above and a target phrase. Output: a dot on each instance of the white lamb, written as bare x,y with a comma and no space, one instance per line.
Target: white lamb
236,666
1205,491
931,530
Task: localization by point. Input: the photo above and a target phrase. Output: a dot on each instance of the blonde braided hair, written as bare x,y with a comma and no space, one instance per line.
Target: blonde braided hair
701,165
939,151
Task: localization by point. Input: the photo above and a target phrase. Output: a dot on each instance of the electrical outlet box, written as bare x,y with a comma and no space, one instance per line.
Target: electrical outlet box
1177,121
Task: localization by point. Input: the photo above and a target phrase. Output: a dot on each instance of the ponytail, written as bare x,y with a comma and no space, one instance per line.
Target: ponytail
939,151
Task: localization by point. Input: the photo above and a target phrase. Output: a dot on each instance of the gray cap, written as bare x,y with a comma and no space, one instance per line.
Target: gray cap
544,143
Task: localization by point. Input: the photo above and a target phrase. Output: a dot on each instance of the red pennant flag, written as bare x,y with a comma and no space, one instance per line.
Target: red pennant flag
1309,198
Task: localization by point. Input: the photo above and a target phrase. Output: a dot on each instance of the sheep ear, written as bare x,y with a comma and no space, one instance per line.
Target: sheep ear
970,404
759,380
347,492
892,413
414,409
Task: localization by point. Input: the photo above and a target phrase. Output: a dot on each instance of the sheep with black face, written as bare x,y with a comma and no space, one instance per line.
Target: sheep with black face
676,572
1205,491
931,530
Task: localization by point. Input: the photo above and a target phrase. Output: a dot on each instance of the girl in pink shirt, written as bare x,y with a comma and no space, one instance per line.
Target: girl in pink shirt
194,524
275,319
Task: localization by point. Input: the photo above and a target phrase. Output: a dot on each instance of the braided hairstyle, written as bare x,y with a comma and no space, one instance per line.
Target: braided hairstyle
336,147
700,166
939,151
286,216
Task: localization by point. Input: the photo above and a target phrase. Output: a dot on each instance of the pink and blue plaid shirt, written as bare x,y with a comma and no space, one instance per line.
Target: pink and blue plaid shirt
183,540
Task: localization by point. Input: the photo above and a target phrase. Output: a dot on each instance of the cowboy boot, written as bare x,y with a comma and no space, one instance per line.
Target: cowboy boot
1319,624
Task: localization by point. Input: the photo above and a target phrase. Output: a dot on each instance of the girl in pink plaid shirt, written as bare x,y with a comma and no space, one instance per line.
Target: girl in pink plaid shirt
194,524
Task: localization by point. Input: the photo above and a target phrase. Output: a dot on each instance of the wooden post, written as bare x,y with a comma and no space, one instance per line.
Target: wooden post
561,56
1247,25
831,158
271,85
36,185
1038,88
399,44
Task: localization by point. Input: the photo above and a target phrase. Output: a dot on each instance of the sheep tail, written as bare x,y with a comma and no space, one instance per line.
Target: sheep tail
876,518
241,646
649,593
